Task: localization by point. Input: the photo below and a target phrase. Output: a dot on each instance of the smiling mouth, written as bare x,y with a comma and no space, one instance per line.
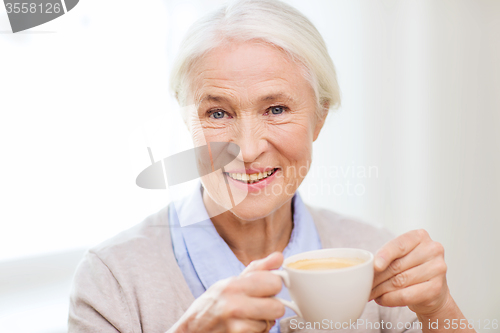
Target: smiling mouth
251,178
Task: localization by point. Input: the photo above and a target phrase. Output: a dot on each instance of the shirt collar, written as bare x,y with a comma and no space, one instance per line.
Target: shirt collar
212,258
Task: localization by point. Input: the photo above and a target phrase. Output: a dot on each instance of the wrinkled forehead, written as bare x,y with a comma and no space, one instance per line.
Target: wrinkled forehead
245,70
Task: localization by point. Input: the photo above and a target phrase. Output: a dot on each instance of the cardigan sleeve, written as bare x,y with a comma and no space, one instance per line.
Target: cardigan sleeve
97,301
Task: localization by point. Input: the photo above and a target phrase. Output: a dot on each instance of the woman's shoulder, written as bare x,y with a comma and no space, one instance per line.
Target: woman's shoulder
338,230
131,255
153,233
134,270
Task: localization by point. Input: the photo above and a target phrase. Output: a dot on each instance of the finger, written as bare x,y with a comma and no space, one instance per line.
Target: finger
257,308
246,325
272,261
398,247
424,292
410,277
260,284
420,254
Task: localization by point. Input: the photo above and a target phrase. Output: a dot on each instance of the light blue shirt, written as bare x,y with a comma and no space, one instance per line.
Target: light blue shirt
204,257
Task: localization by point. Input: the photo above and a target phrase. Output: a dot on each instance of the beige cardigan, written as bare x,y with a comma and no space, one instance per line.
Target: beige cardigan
131,283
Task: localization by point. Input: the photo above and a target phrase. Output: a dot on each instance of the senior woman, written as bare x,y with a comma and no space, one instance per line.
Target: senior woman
256,74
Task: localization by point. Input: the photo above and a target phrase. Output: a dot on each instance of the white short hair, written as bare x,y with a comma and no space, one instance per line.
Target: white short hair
270,21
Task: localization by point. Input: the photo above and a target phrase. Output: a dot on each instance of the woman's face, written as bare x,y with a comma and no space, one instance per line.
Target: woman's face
252,95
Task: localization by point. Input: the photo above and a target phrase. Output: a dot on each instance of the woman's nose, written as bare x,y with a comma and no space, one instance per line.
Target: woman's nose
251,140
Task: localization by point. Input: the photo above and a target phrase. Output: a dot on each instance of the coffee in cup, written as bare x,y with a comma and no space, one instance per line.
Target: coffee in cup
320,264
322,290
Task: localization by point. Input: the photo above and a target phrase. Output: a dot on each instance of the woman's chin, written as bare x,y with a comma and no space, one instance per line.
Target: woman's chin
250,210
250,214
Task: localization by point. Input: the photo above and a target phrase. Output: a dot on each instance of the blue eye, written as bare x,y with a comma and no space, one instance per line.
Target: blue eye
277,110
218,114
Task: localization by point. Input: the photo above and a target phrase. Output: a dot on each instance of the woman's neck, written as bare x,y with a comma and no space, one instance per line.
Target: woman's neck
256,239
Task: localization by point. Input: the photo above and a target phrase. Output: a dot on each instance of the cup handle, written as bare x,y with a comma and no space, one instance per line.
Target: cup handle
286,280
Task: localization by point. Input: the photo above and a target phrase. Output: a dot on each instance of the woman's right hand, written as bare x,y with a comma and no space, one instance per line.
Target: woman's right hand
237,304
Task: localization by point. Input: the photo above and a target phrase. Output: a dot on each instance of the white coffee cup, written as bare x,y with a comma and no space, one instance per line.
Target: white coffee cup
337,295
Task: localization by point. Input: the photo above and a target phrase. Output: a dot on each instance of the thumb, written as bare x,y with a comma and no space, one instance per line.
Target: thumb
272,261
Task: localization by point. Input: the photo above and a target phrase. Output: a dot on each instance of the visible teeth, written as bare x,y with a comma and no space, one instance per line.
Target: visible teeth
251,178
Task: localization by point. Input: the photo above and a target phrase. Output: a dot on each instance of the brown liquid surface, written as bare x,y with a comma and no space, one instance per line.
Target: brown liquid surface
324,263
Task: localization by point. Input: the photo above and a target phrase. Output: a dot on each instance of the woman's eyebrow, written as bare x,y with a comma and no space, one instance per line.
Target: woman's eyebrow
278,96
212,98
267,98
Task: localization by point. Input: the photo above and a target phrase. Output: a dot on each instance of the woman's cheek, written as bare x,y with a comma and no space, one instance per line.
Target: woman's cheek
295,140
295,149
202,135
198,136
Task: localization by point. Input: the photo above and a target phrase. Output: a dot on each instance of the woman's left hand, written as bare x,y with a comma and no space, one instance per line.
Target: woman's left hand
410,271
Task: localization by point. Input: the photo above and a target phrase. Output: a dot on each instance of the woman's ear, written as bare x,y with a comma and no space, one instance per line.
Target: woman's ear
321,118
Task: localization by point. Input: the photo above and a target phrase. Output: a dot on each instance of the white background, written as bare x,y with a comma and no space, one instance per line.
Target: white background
82,97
